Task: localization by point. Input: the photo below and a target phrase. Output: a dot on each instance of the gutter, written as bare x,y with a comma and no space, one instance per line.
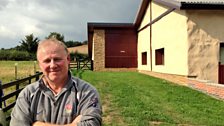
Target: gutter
150,24
169,3
193,5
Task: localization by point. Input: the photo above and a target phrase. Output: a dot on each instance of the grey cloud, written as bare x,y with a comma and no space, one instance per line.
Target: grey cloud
3,4
69,17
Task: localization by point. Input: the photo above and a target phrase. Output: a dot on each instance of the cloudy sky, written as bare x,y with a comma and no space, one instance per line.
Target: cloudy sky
19,18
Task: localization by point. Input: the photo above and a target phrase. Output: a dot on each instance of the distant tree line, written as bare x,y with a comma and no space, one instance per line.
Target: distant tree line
28,47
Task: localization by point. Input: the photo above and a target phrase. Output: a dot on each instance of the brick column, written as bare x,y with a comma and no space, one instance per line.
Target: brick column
99,50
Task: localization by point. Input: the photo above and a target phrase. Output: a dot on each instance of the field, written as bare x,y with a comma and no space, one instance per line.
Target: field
24,69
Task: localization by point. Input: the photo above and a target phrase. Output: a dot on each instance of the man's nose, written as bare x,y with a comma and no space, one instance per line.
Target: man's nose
52,63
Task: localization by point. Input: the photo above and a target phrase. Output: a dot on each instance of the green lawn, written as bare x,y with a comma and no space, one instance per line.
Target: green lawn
134,99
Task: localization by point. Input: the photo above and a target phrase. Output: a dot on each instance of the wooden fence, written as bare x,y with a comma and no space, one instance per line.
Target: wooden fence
84,64
19,85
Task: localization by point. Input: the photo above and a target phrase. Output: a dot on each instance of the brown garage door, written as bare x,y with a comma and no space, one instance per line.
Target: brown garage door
120,48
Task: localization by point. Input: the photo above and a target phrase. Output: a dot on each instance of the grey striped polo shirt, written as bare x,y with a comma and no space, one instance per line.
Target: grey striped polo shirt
36,102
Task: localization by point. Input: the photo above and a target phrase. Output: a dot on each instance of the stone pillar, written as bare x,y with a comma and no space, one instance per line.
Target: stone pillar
99,50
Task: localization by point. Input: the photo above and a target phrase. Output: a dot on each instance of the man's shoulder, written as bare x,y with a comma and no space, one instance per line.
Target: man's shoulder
81,84
30,89
33,86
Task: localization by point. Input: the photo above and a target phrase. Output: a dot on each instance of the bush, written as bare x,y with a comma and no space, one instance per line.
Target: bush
4,55
16,55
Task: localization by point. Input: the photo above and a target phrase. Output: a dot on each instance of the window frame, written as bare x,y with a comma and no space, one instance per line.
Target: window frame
159,56
144,58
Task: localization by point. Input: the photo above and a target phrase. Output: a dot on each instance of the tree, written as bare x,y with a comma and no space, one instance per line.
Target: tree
29,44
56,35
85,42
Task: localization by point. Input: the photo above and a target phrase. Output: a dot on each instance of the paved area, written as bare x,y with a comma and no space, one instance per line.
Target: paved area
212,89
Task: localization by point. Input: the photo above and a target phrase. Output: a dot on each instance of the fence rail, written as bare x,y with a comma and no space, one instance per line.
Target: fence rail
84,64
18,85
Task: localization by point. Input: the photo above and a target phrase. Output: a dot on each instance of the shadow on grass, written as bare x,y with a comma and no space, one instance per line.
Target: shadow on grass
78,73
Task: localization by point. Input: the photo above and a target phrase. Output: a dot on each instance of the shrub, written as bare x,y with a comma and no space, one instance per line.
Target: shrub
16,55
4,54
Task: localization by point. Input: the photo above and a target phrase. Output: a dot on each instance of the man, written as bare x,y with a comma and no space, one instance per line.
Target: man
57,98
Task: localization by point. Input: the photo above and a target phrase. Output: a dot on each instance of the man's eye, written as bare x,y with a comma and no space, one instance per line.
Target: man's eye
47,61
57,60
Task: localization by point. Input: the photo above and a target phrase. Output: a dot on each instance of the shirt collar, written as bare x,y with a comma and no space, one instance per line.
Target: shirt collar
46,89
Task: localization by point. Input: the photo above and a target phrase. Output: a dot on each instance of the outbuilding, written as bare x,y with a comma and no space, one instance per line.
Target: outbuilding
112,45
179,37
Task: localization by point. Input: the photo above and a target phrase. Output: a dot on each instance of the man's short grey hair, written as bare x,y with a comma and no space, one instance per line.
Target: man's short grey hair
54,40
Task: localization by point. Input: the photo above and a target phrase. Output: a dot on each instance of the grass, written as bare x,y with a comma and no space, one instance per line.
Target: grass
134,99
24,69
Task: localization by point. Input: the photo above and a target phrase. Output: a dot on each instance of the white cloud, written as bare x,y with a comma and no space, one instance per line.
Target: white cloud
68,17
5,32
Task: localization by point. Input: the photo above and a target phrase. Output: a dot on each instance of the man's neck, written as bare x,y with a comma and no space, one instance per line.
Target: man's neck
56,87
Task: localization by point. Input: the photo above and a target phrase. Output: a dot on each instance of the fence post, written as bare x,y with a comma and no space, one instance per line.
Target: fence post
35,68
91,64
77,60
16,64
30,80
1,94
37,77
17,88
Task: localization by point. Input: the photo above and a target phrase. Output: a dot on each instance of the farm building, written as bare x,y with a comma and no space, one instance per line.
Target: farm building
179,37
112,45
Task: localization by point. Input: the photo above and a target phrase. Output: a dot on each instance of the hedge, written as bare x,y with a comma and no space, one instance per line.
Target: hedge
16,55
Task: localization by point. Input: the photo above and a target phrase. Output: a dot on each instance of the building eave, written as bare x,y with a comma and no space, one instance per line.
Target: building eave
188,5
178,5
201,6
93,25
141,12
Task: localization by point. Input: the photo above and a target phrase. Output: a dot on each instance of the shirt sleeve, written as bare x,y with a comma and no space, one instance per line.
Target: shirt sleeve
20,115
90,107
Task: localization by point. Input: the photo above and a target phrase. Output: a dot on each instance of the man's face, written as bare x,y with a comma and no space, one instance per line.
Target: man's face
54,62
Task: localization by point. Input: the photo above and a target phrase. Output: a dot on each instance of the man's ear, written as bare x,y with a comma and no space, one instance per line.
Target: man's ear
69,58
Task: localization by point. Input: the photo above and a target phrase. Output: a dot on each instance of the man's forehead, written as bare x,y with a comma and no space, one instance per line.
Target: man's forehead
48,44
50,54
53,47
53,52
45,52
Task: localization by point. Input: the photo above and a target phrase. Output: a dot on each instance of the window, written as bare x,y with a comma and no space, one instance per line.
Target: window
221,53
160,56
144,58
